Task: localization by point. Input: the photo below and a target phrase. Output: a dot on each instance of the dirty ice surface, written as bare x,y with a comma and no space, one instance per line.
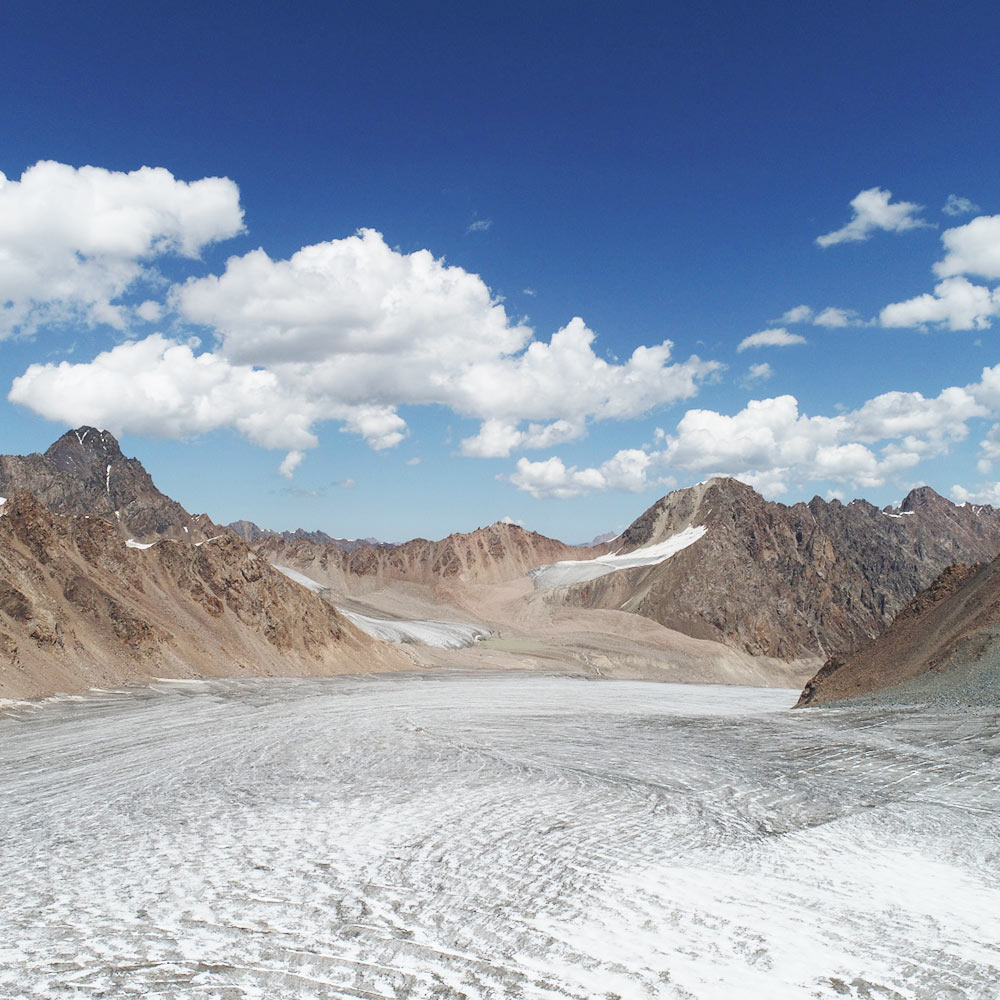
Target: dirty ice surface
443,635
569,571
484,836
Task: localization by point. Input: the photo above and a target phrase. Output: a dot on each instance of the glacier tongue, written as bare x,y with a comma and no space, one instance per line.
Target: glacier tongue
443,635
306,581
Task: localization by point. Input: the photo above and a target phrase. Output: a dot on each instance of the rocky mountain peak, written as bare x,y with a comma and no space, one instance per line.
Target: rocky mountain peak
85,473
252,533
84,446
492,554
923,498
718,499
95,461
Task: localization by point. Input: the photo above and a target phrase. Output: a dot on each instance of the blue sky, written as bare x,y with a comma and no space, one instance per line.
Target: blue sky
661,172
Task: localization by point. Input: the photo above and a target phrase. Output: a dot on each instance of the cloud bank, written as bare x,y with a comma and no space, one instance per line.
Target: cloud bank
348,330
354,332
771,444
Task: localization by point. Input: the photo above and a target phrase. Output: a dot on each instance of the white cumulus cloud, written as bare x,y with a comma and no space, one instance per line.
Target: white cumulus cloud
498,438
149,311
777,337
565,380
983,493
159,388
758,373
834,317
831,316
874,211
353,298
551,478
771,438
73,240
956,303
798,314
290,463
972,249
956,205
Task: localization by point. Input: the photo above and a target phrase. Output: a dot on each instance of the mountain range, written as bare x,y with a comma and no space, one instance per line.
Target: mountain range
105,580
809,579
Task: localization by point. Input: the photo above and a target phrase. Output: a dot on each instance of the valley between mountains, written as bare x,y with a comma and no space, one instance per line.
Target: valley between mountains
203,808
105,581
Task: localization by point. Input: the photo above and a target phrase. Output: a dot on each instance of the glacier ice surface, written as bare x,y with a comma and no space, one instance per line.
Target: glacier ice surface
460,835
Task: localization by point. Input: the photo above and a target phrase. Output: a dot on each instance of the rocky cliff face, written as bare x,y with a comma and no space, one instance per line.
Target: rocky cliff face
789,581
79,607
493,554
944,644
85,473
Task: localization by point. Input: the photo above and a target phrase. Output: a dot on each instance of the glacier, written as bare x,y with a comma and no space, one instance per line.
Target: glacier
440,634
475,835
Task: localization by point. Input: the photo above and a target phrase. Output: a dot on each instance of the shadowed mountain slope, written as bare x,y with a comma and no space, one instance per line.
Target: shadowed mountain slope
944,645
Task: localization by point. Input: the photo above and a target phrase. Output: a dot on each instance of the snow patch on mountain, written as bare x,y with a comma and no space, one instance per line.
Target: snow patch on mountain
562,574
301,578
